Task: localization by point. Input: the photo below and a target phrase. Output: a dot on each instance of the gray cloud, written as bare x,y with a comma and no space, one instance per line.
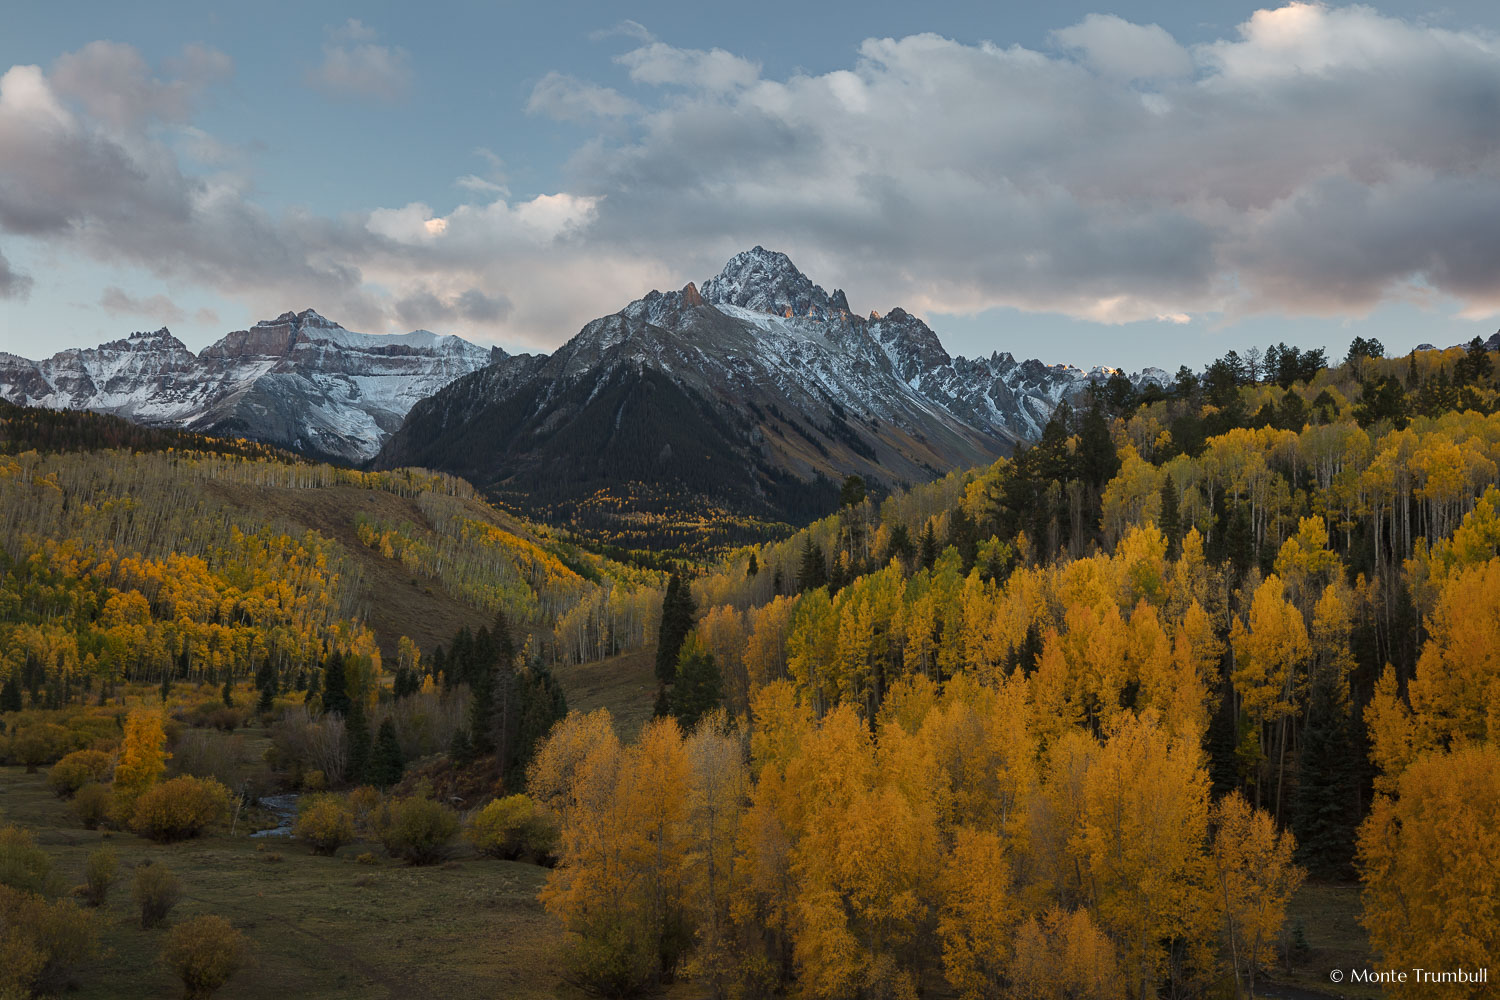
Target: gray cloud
1117,48
159,308
565,98
355,67
13,284
424,309
1319,162
626,29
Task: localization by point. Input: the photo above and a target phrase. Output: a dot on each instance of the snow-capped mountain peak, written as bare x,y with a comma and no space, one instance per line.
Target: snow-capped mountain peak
299,380
767,281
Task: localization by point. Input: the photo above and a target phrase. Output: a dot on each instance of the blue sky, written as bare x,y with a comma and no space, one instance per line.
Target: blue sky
1129,184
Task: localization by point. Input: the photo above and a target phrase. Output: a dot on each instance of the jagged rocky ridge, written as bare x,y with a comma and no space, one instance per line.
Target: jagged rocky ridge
755,392
299,381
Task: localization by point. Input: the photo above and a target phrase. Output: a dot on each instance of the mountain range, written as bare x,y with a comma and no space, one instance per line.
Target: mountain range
749,396
299,381
753,394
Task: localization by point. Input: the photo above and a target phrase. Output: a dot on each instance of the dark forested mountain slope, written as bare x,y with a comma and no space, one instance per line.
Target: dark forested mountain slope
748,398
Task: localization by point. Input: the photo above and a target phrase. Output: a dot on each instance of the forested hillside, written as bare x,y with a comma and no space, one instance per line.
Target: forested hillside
1079,724
167,553
1095,721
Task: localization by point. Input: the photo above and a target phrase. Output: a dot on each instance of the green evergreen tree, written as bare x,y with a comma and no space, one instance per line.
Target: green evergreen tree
357,735
1324,815
540,704
460,748
406,683
814,572
963,536
899,545
927,548
227,694
677,610
266,682
335,684
10,695
852,493
752,567
314,695
387,763
699,688
1171,516
482,710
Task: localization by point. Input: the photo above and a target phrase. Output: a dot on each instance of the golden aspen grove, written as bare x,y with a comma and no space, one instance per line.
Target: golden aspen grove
1095,721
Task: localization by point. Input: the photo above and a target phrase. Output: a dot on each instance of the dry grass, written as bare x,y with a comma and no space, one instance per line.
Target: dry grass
624,684
319,927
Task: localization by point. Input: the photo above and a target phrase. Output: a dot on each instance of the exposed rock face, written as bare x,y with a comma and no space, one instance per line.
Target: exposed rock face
755,391
300,381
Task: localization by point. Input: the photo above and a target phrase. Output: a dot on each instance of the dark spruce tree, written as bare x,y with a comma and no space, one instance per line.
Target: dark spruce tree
357,737
482,708
266,683
539,705
386,762
10,695
406,683
335,683
314,691
1325,807
461,748
1171,517
699,688
677,612
814,571
927,549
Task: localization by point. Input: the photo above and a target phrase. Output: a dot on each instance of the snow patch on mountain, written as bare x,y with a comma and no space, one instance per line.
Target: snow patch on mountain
300,381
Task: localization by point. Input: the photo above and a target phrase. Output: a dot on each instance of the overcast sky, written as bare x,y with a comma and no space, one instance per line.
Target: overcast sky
1138,183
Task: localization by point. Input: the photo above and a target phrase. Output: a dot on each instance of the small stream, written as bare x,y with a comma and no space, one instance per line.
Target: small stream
285,809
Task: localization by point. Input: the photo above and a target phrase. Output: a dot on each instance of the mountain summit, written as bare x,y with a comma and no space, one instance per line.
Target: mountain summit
751,394
300,381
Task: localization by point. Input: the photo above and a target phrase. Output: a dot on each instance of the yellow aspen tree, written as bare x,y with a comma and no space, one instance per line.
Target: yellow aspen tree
1145,821
1394,738
143,760
1256,877
1270,655
977,921
1458,673
1430,862
908,702
812,649
717,795
765,645
1057,819
1053,710
653,777
1064,953
920,623
1148,658
722,630
550,778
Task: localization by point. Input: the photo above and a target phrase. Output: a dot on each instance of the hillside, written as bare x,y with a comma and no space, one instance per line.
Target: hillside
247,552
